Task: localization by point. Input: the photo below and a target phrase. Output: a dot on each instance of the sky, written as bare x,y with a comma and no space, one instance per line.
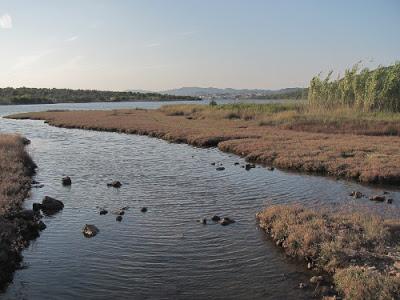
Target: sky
159,45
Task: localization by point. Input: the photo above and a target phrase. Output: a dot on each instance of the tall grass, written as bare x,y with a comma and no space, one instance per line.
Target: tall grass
366,90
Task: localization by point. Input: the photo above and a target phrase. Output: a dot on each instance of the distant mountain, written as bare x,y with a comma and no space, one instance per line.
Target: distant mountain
211,91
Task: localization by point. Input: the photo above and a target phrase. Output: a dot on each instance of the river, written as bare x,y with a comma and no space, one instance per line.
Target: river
163,253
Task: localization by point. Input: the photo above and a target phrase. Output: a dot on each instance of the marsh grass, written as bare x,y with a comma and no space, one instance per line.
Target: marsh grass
296,115
15,172
363,284
350,246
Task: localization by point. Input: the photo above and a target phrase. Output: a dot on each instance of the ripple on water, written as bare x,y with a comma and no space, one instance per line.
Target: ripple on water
163,253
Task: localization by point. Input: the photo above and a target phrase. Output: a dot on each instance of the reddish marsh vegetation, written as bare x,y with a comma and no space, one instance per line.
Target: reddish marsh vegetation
359,250
16,169
237,129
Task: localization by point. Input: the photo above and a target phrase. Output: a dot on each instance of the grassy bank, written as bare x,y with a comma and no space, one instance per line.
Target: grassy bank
16,169
267,134
297,116
359,253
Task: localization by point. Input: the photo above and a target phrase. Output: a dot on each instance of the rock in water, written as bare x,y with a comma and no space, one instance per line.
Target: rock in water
66,181
249,166
36,206
103,212
356,194
90,230
119,218
144,209
226,221
216,218
220,169
115,184
50,205
377,198
41,226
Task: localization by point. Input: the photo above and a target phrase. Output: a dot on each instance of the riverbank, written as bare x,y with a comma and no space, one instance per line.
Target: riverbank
357,252
244,130
17,226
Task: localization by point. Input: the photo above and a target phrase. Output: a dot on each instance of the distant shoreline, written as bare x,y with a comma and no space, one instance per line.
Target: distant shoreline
24,95
77,102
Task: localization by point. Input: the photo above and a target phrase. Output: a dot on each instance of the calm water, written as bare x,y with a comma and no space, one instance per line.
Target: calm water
164,253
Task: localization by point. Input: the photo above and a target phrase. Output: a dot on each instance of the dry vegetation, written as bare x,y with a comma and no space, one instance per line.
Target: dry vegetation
359,250
291,135
15,173
16,169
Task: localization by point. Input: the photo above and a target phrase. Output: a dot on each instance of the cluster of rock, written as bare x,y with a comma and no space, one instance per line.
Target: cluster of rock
217,219
376,198
247,166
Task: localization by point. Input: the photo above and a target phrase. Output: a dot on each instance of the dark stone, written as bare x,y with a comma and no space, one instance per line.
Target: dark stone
220,169
90,230
356,194
271,168
213,163
26,141
143,209
249,166
226,221
236,163
377,198
103,212
115,184
389,200
50,205
216,218
36,206
119,218
41,226
66,181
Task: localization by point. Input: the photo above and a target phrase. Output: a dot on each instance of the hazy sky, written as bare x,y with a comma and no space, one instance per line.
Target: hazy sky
164,44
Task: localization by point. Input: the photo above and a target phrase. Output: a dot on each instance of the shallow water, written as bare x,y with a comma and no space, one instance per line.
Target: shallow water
164,253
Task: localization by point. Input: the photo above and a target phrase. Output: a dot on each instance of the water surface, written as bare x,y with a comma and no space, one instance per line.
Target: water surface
164,253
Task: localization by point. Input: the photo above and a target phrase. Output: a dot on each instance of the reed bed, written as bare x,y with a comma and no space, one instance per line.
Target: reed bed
364,90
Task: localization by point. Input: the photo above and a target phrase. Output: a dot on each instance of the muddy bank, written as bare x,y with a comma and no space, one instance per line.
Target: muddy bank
17,226
369,159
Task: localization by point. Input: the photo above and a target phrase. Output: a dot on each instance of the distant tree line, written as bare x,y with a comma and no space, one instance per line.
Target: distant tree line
25,95
295,94
367,90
